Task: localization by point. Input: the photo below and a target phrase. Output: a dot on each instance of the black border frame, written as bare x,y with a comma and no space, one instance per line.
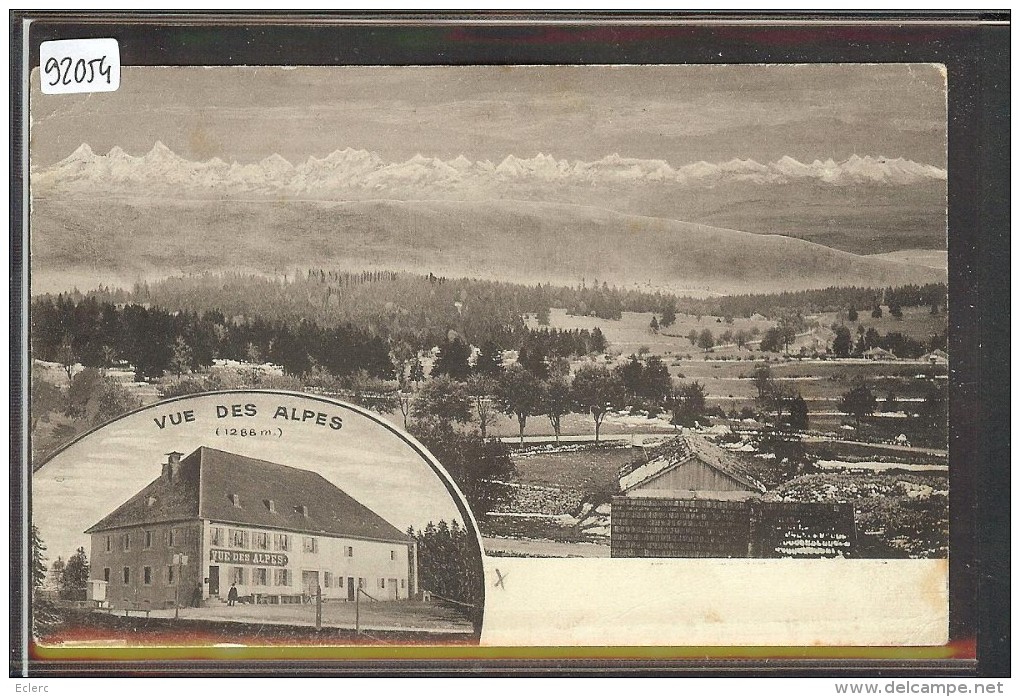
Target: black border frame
974,46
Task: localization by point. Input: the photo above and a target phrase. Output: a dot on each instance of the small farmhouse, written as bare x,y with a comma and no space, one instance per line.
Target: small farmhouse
277,533
878,353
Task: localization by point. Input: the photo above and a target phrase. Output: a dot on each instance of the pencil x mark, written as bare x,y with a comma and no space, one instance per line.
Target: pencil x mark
500,579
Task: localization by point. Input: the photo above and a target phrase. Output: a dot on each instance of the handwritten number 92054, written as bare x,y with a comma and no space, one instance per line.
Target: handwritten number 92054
65,71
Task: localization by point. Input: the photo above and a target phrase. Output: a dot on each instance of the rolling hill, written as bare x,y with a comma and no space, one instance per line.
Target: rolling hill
120,240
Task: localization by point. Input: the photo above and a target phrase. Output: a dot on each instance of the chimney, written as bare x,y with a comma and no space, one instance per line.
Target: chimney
172,467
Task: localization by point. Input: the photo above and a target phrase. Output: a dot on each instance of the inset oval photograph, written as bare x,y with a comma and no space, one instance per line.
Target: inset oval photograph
252,518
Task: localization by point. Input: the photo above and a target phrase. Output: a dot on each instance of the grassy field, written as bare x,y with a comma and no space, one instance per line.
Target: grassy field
821,383
587,469
529,529
556,484
917,323
631,332
935,258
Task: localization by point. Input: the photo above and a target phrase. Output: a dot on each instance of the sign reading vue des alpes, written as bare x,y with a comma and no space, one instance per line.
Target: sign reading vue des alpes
233,556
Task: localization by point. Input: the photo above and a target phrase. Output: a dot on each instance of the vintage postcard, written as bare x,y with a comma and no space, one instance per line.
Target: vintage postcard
630,355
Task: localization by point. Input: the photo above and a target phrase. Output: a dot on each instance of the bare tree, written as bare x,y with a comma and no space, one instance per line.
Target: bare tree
481,388
404,396
66,356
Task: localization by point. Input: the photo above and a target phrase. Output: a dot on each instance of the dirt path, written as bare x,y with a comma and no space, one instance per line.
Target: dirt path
402,616
884,446
639,438
634,438
546,548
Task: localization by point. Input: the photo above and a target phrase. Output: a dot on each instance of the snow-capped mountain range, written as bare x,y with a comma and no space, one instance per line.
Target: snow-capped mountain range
359,173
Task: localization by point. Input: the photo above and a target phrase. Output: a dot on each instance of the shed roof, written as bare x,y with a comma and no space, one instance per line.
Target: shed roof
683,449
302,501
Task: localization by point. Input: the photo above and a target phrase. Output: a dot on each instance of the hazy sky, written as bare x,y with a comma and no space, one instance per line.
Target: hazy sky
678,113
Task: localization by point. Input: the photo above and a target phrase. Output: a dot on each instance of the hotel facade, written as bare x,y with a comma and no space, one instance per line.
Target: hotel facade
278,534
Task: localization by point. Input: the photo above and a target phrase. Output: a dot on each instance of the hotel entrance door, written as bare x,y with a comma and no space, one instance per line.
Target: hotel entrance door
310,581
214,581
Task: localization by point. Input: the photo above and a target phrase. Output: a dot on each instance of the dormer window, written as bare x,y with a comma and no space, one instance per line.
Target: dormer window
235,499
270,505
301,510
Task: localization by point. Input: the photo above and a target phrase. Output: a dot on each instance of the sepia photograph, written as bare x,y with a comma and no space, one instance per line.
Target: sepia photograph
307,522
647,319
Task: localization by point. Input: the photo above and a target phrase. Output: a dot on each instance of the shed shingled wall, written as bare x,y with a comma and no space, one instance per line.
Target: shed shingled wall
654,527
692,528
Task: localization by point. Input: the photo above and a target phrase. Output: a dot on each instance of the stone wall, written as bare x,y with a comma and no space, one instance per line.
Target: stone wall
805,530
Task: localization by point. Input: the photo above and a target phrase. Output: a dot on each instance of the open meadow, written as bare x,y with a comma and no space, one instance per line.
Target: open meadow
632,332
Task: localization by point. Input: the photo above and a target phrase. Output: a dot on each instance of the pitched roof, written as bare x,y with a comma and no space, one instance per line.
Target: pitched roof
160,501
208,478
683,449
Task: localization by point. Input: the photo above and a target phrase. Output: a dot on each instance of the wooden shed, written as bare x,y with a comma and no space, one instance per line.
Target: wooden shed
690,466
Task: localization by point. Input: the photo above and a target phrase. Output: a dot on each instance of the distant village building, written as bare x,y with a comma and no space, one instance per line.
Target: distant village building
691,467
277,533
878,353
936,357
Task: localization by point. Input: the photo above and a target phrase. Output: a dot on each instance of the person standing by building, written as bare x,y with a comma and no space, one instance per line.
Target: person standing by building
232,595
